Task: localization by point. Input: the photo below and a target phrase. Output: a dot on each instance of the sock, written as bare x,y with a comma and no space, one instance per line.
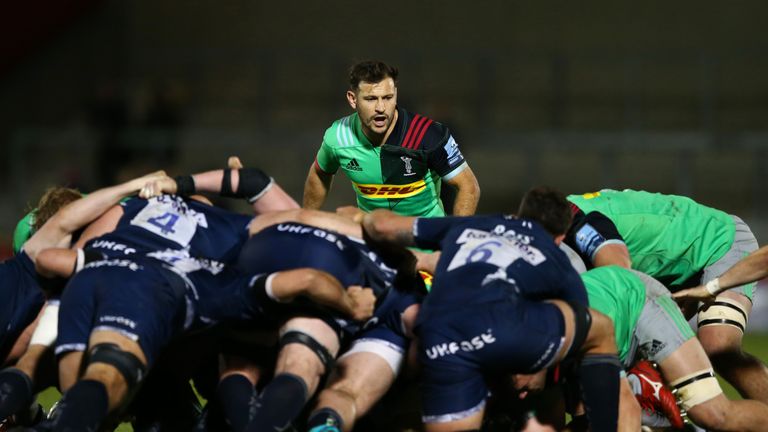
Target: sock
599,375
634,382
234,394
82,408
325,420
15,392
279,404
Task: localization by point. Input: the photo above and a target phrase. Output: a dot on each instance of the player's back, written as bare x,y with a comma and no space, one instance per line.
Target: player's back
288,246
170,223
667,235
490,258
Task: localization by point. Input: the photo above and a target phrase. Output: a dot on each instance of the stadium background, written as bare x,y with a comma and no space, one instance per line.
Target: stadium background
662,96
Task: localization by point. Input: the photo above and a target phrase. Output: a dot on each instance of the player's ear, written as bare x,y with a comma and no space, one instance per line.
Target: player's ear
352,99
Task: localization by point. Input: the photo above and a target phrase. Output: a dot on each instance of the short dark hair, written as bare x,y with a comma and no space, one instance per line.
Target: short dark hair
548,207
371,71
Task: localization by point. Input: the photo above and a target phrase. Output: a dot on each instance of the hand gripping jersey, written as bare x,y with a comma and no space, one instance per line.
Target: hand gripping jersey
489,258
403,174
669,237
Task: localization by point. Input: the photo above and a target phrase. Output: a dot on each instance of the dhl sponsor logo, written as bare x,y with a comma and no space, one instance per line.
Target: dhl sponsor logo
377,191
591,195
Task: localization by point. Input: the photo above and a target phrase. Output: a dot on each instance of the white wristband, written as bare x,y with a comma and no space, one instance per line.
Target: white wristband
80,261
713,286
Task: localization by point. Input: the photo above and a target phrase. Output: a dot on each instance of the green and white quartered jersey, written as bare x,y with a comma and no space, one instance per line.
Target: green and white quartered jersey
620,294
669,237
403,174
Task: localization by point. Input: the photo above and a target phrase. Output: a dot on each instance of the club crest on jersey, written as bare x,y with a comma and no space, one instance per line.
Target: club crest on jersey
408,166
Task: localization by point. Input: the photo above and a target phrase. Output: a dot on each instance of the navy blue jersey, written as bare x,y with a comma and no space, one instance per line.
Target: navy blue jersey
170,223
289,246
489,258
20,299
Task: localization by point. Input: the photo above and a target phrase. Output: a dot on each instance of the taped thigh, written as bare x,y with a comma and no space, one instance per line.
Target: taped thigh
696,388
322,353
724,311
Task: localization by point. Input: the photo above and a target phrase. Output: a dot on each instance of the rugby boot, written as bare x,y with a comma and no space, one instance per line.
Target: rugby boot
655,396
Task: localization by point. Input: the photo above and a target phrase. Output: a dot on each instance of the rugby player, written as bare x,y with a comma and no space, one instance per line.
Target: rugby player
160,275
60,213
649,326
364,372
677,241
504,299
395,159
309,344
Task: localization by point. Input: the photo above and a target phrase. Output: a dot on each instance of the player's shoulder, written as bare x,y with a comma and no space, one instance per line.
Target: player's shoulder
341,133
422,132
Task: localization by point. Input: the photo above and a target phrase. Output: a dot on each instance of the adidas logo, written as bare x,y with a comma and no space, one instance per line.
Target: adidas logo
353,165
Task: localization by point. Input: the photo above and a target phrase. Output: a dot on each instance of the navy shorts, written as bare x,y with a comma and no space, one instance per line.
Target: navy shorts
138,299
461,346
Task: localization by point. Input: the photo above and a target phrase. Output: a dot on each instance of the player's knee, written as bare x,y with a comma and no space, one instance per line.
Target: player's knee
110,364
327,360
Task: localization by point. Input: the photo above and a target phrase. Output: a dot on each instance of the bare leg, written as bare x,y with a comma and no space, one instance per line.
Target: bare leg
722,344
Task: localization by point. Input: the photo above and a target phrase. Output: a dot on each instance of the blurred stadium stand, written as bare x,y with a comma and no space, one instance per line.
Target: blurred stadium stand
670,97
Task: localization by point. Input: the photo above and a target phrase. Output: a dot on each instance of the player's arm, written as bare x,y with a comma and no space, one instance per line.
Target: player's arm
316,187
750,269
322,288
253,184
320,176
61,262
597,240
318,218
467,192
58,230
445,159
613,254
388,227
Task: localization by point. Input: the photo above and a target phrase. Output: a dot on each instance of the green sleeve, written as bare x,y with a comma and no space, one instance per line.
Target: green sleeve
326,158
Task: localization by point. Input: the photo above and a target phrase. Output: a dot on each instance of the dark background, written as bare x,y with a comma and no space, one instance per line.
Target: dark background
663,96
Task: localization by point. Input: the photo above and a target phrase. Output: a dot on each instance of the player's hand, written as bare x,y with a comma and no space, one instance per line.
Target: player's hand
158,186
699,293
426,261
234,163
363,302
351,212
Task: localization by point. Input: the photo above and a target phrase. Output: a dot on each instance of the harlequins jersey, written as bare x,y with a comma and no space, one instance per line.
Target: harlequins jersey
401,175
669,237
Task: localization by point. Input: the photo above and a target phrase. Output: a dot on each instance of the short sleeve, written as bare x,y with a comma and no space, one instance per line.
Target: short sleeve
326,159
591,232
446,158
